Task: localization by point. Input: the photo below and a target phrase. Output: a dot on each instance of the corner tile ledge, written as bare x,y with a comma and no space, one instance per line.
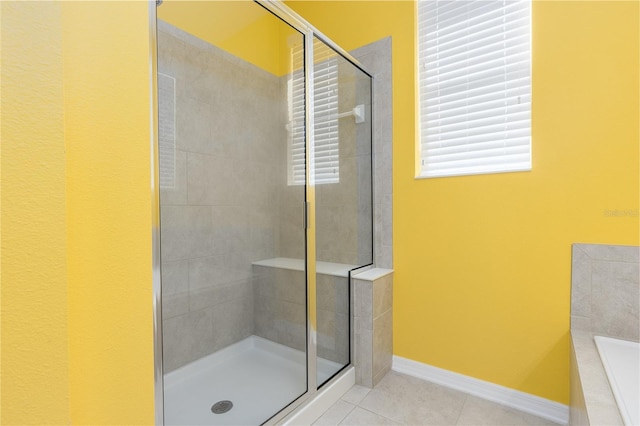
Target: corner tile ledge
372,274
324,268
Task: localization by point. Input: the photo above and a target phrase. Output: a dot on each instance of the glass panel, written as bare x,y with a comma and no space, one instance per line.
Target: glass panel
233,244
342,175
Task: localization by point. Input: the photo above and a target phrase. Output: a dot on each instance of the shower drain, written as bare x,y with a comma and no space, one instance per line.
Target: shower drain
221,407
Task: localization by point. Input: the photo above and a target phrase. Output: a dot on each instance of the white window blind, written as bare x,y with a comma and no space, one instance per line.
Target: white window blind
475,86
325,86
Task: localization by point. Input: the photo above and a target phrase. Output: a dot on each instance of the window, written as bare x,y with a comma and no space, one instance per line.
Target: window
475,87
325,86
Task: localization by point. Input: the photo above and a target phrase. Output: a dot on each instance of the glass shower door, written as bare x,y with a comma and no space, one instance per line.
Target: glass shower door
342,175
232,166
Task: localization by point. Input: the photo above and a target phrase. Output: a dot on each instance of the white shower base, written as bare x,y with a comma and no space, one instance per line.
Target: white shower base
259,376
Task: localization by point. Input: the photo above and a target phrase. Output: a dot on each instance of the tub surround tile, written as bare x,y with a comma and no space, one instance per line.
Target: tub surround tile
614,287
605,300
594,390
614,253
580,283
577,405
605,290
580,323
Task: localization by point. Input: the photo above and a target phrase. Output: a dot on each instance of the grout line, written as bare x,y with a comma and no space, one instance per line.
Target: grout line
378,414
466,398
353,407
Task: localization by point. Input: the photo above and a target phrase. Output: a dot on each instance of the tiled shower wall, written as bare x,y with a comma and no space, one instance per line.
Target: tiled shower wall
605,301
221,212
376,57
343,235
227,203
344,209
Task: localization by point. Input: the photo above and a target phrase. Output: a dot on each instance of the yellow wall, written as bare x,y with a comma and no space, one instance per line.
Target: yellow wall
240,27
107,138
482,280
35,367
76,214
482,288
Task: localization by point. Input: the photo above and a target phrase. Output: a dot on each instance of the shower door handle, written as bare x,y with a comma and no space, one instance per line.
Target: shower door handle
305,215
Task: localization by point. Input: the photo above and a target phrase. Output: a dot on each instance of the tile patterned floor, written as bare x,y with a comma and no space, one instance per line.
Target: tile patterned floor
404,400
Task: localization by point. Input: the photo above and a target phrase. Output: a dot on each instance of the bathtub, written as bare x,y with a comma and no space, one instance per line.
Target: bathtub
621,361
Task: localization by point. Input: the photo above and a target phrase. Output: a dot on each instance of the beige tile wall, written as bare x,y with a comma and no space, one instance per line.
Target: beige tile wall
280,311
373,327
376,57
605,301
223,211
344,219
231,205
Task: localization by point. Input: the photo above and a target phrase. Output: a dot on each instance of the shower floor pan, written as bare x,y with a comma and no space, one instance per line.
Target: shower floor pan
258,376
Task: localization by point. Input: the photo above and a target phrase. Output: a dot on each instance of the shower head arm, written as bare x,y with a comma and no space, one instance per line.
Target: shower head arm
357,112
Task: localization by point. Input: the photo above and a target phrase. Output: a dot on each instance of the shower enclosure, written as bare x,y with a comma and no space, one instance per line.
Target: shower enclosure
264,164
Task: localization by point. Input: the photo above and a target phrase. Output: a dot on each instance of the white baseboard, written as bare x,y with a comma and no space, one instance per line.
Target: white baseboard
522,401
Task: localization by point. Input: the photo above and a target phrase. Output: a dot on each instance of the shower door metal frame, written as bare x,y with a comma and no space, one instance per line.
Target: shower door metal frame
158,369
280,10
